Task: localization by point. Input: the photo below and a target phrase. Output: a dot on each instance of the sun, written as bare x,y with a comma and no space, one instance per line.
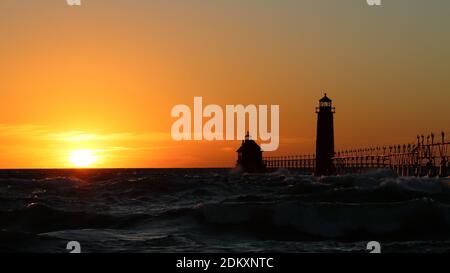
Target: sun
82,158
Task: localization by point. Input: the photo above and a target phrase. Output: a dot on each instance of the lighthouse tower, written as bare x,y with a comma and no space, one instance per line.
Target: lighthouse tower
250,156
325,137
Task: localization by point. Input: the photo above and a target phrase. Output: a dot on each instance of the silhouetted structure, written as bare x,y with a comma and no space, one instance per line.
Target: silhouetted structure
325,137
426,157
423,158
250,156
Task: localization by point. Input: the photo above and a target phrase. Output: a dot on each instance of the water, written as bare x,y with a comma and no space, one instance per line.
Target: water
218,210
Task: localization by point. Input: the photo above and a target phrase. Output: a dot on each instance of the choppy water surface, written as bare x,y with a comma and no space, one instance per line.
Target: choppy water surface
218,210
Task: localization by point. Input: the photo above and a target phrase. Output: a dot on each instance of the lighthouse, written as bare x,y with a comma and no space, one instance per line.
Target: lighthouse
250,156
325,137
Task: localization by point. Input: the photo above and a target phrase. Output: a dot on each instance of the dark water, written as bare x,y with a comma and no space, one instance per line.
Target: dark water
218,210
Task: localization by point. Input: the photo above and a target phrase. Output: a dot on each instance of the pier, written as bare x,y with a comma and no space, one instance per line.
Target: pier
425,156
428,156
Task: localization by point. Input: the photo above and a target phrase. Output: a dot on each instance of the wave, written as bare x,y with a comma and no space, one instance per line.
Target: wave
13,241
379,186
283,204
422,218
50,182
38,218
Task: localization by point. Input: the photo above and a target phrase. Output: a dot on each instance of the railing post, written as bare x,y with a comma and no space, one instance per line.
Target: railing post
443,167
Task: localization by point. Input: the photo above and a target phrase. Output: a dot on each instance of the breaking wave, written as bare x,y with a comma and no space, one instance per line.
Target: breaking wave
187,205
416,219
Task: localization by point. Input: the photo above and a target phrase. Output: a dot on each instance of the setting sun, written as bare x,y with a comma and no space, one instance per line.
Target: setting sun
82,158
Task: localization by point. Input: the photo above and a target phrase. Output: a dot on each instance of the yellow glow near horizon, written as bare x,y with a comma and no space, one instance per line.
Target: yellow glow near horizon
82,158
104,77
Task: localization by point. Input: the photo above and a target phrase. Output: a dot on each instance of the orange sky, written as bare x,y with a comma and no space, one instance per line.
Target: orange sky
104,76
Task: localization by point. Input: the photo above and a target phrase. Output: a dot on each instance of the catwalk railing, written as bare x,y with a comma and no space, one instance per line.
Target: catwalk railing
303,162
426,157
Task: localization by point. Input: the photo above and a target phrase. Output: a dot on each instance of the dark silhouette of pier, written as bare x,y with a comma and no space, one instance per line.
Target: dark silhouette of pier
426,156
